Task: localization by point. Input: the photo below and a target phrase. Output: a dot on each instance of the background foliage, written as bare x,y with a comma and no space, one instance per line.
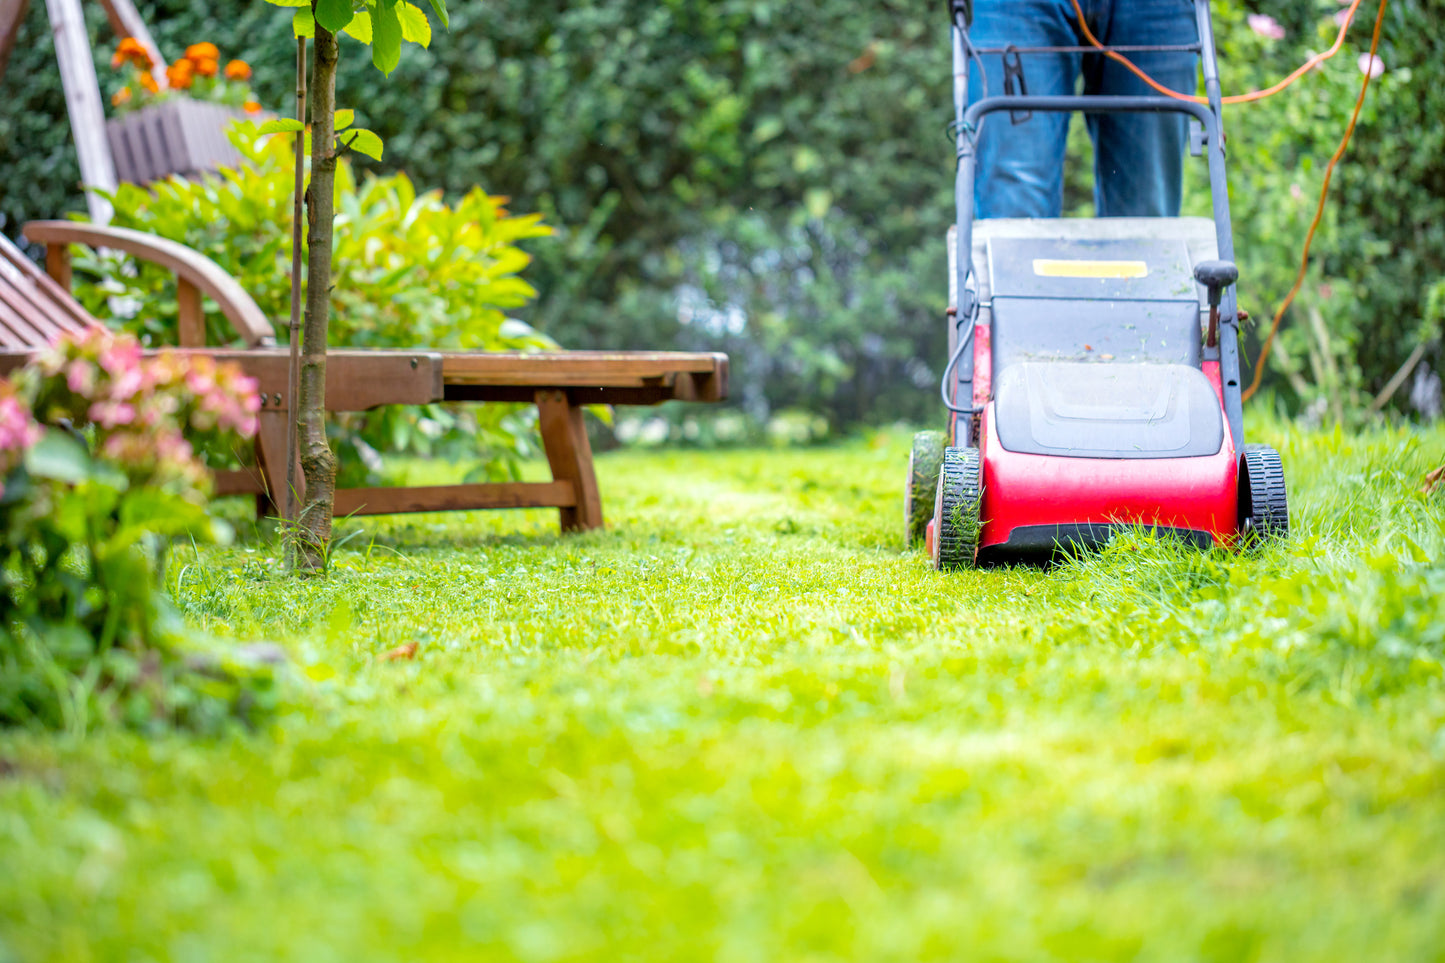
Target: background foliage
773,179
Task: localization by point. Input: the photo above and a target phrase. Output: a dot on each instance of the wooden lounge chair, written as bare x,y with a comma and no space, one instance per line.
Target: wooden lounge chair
36,307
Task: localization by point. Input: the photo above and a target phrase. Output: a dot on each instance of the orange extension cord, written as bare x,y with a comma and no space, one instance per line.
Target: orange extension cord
1254,95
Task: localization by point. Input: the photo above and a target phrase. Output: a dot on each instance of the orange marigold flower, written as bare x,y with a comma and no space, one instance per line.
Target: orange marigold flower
180,74
131,50
202,51
238,70
251,107
149,85
207,67
121,96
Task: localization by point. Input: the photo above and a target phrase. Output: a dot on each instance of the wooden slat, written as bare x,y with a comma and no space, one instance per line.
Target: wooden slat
355,380
561,369
11,359
448,498
683,375
45,306
40,319
244,481
20,326
578,396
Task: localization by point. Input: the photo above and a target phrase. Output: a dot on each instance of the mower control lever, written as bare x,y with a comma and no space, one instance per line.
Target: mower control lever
1215,276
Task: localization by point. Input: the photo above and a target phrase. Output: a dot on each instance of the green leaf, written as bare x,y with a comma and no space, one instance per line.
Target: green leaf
362,141
440,6
385,37
344,118
360,26
58,456
281,125
302,23
414,25
290,3
334,15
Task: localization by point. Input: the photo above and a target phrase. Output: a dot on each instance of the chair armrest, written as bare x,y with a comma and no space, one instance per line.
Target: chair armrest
192,270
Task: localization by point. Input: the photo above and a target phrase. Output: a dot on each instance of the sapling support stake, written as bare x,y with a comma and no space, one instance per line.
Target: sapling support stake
293,387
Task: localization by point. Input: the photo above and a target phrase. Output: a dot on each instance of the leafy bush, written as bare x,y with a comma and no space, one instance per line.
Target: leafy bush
89,505
408,271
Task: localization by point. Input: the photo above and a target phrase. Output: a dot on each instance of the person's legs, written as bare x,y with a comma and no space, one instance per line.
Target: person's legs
1020,166
1139,158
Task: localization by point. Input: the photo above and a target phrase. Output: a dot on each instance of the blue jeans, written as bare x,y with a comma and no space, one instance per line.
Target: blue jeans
1138,158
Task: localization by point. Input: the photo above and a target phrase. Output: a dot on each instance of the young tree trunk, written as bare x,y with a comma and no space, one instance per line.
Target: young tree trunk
317,461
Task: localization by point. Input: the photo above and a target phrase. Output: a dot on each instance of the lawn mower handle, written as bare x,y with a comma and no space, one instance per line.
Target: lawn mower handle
966,120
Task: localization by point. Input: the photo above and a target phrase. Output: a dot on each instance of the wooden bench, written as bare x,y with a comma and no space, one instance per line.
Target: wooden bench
34,308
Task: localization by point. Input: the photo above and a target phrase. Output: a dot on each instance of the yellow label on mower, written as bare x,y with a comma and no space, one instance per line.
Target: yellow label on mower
1053,268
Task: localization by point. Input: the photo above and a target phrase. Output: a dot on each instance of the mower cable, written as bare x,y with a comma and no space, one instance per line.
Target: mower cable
964,344
1299,278
1253,95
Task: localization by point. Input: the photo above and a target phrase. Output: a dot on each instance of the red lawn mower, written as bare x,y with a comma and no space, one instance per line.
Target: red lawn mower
1093,372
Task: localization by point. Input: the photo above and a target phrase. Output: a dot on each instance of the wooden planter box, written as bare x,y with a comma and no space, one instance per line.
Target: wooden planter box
177,136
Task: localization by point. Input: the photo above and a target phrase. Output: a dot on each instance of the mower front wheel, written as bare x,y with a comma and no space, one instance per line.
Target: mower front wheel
924,462
957,506
1263,501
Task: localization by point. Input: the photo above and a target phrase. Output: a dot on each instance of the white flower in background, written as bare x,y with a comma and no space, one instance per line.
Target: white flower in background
1372,65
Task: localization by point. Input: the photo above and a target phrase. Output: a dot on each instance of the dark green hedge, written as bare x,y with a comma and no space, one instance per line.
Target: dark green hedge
785,165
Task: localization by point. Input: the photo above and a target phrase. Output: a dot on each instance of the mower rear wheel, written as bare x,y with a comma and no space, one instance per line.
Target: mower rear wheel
1263,501
957,505
924,462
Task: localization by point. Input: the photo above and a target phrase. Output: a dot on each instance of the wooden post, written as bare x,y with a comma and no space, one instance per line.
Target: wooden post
271,450
12,15
192,320
82,101
57,263
564,437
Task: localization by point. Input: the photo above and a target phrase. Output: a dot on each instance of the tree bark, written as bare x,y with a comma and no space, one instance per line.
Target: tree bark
318,463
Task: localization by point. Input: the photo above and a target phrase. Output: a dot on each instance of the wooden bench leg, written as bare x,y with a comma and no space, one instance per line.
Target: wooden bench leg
570,454
271,462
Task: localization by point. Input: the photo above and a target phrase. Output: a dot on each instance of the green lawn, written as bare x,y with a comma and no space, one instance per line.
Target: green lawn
741,725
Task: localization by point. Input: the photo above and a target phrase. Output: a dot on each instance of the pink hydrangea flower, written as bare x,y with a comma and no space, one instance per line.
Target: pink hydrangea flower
1370,64
1266,26
18,431
1342,16
137,404
120,356
80,377
111,414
